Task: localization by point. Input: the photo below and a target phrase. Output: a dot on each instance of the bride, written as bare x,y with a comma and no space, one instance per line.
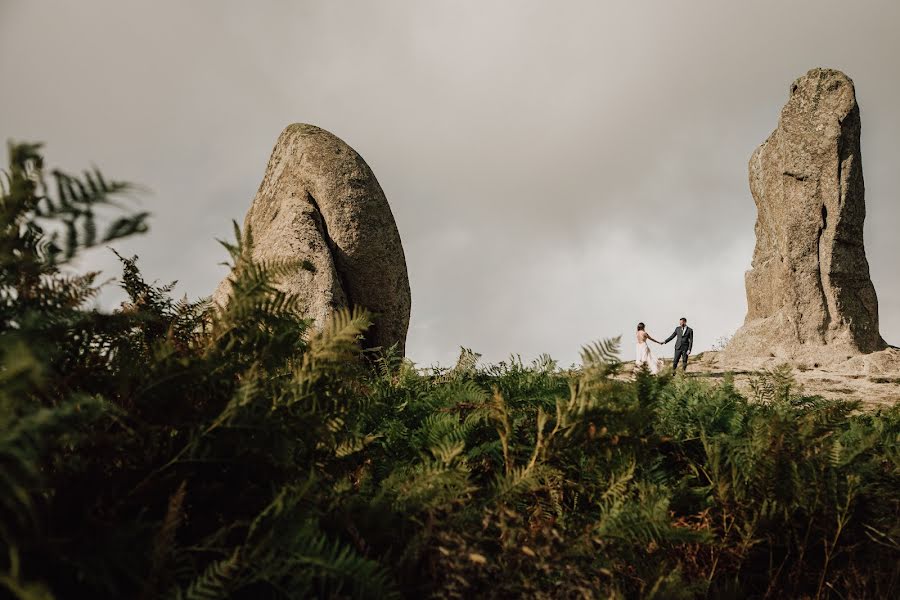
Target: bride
644,356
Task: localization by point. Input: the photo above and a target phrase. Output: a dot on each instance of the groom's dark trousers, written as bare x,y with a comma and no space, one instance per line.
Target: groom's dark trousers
684,343
681,354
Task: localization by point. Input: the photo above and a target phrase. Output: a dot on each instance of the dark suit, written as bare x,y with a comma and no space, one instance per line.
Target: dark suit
684,343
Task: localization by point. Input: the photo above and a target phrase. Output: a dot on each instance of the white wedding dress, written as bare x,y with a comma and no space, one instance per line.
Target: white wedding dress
644,356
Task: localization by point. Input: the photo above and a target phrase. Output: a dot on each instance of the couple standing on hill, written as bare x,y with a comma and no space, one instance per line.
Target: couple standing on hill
684,343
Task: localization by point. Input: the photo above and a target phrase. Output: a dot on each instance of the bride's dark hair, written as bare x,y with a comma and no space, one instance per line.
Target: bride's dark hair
640,326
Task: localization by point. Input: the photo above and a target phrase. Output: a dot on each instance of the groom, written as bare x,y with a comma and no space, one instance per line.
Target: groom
684,342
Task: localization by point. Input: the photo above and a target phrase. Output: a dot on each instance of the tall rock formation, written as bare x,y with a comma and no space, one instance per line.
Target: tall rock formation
809,294
320,202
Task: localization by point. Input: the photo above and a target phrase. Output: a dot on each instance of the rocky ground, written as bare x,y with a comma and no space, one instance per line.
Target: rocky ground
874,386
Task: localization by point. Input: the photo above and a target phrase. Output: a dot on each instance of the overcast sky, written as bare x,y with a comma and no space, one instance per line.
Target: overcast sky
558,170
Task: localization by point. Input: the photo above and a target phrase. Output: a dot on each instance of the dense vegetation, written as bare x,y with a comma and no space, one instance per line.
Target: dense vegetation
169,450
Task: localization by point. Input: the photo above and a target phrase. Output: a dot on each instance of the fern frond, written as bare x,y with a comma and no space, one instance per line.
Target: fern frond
217,581
338,339
601,353
466,362
520,480
618,485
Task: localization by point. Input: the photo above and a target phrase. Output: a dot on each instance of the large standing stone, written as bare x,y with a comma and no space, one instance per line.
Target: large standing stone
320,202
809,293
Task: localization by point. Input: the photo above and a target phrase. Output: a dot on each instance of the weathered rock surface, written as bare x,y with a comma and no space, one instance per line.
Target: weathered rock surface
320,202
873,379
809,295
